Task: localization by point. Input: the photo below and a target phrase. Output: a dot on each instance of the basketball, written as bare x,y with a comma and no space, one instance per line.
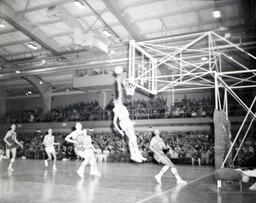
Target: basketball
118,70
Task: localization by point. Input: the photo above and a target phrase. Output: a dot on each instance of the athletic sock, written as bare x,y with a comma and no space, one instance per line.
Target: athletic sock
46,163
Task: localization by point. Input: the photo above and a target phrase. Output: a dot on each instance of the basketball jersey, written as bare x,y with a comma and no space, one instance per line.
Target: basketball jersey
11,140
121,111
49,140
157,143
83,141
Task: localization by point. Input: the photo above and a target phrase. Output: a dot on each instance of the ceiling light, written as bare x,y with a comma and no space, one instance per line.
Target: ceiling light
216,13
79,4
17,71
2,24
33,45
227,35
106,33
204,58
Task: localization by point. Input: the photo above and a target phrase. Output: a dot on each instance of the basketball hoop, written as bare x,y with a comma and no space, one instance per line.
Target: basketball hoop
129,88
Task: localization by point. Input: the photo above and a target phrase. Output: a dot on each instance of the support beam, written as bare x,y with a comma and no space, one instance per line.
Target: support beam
7,44
132,29
44,89
31,31
8,31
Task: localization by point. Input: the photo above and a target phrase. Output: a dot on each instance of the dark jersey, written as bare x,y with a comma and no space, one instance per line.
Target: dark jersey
11,140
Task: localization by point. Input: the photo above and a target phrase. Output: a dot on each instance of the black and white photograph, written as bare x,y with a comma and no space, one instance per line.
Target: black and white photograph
127,101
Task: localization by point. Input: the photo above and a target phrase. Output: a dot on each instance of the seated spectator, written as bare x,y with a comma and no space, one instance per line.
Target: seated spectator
196,156
206,156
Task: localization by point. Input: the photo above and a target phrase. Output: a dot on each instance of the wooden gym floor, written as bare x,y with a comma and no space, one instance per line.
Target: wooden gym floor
119,183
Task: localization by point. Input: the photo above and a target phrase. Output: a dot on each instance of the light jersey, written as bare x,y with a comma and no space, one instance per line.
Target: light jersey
121,111
157,144
83,141
48,140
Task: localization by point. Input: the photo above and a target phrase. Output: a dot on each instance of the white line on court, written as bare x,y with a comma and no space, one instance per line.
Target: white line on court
167,191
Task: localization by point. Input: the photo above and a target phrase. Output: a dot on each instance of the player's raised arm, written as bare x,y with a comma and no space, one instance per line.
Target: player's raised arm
119,88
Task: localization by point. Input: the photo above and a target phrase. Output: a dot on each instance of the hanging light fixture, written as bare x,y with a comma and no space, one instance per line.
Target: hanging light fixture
204,58
216,13
106,33
32,45
79,3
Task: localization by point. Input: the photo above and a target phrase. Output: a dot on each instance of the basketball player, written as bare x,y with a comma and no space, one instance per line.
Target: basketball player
11,141
125,125
49,148
157,145
84,149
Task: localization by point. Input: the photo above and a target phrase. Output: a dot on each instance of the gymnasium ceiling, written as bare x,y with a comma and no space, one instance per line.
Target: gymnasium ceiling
52,38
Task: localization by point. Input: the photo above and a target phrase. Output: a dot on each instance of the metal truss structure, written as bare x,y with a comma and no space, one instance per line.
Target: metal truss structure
194,62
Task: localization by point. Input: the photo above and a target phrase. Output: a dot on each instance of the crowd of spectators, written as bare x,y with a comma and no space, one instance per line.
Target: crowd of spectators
192,108
78,111
246,155
185,148
154,108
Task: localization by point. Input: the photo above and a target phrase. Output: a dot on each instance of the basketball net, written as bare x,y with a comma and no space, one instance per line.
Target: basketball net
129,88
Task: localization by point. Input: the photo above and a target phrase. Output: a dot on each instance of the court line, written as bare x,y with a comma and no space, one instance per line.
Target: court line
167,191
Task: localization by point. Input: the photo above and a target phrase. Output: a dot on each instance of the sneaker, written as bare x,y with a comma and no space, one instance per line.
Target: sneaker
136,159
143,158
54,167
46,163
80,173
180,181
158,179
